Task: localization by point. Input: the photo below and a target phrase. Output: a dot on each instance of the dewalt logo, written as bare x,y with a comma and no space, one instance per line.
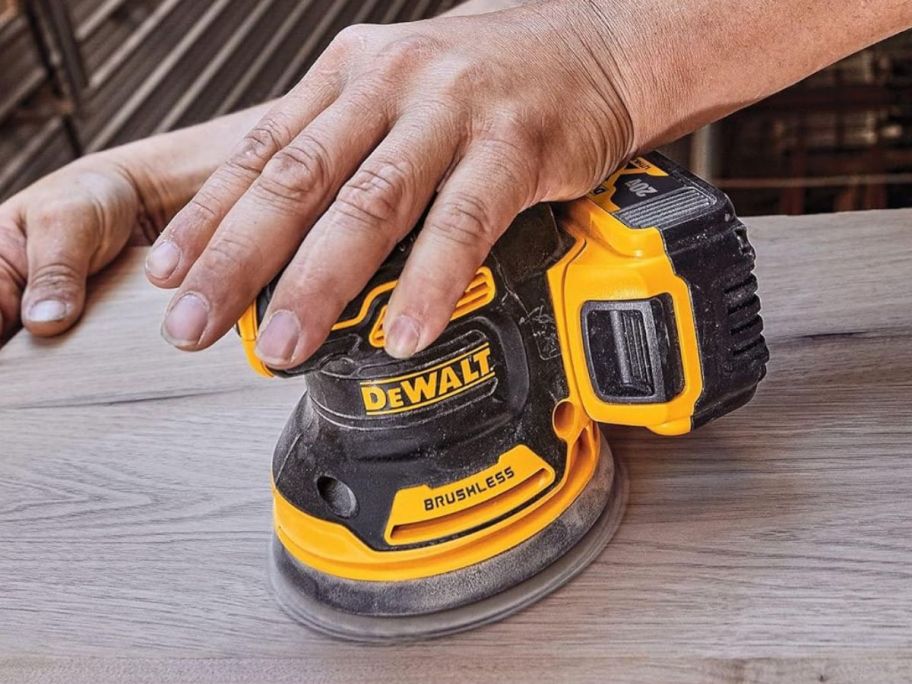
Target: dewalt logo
383,396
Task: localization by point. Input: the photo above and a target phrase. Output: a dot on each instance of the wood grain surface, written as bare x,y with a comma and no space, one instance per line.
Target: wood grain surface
772,545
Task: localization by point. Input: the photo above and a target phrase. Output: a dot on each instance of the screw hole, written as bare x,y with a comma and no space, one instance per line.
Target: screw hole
338,496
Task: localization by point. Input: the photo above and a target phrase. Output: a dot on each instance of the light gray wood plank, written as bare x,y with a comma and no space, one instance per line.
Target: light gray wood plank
773,545
835,273
374,665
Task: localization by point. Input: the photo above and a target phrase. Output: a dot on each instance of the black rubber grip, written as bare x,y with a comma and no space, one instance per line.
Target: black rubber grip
632,350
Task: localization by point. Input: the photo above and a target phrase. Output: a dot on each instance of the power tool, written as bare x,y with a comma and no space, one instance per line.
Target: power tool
427,496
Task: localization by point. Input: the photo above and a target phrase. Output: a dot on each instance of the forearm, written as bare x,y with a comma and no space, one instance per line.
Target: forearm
686,64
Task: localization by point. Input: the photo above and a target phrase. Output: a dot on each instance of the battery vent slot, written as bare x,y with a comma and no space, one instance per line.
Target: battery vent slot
745,326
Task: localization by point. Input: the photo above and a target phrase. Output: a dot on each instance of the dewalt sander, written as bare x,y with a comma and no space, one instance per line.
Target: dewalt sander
422,497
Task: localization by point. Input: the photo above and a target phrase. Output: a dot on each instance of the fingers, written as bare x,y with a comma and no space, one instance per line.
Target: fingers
371,214
13,267
59,252
188,233
474,208
266,225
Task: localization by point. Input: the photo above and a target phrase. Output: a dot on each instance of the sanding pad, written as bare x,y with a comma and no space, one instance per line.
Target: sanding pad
463,599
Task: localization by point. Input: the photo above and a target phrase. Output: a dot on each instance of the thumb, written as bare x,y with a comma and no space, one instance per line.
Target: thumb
59,249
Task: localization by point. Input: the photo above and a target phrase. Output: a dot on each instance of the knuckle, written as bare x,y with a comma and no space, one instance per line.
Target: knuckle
297,170
513,131
258,146
46,214
514,136
462,78
303,285
204,207
279,191
363,212
374,194
387,177
351,37
228,258
10,271
74,214
465,220
317,292
512,154
57,276
367,94
407,52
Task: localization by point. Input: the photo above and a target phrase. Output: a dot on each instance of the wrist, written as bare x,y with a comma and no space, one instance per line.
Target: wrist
599,77
629,51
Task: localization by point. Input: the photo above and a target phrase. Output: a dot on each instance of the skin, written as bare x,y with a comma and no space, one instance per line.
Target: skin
472,118
75,221
389,122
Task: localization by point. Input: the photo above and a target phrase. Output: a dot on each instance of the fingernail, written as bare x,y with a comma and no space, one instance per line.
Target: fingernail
47,311
277,341
163,259
186,321
402,337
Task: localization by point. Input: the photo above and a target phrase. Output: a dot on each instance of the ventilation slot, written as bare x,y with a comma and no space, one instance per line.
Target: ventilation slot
469,518
750,346
745,326
479,293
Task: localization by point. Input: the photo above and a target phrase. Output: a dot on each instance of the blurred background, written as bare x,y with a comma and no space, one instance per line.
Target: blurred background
80,75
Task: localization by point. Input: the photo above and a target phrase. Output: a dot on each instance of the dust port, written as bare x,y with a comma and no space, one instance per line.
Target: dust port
338,496
564,418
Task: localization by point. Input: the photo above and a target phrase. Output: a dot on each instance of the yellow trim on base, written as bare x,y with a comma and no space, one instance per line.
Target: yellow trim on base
333,549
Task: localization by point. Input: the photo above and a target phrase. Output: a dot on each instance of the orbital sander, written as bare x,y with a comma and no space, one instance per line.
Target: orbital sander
415,498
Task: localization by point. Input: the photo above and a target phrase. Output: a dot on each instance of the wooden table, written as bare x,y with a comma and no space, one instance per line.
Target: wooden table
773,545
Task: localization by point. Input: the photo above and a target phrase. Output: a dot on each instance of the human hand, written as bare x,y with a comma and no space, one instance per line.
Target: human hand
57,232
73,222
479,117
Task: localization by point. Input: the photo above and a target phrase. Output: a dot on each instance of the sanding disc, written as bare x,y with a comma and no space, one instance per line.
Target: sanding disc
507,583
